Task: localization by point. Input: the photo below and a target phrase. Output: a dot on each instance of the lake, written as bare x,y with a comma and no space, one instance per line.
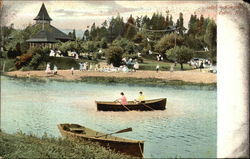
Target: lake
187,128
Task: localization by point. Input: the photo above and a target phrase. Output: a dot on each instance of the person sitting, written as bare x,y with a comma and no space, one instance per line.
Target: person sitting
122,100
141,97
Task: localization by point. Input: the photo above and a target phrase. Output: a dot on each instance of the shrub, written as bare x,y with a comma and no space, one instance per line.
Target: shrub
36,60
114,55
23,60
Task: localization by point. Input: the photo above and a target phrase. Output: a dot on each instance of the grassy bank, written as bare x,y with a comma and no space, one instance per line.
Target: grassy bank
130,81
28,146
142,81
149,64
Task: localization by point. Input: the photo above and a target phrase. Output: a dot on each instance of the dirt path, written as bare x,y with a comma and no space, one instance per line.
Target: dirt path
194,76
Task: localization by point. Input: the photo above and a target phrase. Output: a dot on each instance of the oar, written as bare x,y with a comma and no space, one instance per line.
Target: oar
120,131
147,106
124,106
144,105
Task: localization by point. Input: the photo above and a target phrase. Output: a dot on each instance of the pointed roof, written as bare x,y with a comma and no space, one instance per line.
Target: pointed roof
43,14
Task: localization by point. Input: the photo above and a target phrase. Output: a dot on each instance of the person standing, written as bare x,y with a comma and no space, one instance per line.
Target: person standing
55,70
48,70
157,68
201,66
72,70
81,66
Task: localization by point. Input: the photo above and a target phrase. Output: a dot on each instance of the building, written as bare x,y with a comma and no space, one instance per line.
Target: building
46,34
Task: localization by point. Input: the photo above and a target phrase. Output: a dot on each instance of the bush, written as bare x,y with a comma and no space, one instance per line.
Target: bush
114,55
36,60
23,60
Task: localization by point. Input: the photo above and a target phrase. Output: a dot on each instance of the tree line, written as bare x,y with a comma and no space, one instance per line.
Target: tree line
158,34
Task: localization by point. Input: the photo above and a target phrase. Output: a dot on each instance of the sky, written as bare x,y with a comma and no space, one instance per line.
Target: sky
80,14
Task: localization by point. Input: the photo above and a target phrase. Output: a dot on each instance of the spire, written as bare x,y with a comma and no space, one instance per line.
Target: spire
43,15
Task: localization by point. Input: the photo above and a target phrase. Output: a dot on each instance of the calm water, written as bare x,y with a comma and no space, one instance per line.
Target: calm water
187,128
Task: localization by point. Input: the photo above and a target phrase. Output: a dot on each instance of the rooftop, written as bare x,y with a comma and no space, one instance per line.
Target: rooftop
43,14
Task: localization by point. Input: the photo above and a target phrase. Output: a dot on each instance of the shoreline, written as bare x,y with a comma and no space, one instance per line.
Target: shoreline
161,78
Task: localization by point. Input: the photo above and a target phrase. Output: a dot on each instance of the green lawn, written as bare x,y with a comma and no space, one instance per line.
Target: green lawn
149,64
68,63
28,146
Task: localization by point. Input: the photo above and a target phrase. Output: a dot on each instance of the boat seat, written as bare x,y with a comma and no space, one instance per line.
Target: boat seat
78,130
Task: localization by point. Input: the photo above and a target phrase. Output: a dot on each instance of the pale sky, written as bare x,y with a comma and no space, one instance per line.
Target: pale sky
80,14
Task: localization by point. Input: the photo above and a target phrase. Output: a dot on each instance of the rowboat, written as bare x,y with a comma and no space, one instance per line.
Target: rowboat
118,144
147,105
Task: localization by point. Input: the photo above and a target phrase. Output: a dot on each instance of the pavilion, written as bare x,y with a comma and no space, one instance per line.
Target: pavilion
46,34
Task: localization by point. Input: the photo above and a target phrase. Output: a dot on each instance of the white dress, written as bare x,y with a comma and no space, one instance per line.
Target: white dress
48,69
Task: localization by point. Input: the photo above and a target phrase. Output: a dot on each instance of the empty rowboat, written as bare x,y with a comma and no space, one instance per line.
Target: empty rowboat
147,105
118,144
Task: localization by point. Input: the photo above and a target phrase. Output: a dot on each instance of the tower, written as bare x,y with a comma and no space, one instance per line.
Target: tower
43,16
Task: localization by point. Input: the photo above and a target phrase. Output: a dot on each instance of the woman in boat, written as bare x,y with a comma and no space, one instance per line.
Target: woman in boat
141,97
123,99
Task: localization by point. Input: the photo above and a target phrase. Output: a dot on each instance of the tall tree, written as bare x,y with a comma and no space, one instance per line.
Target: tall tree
210,39
86,35
93,32
116,28
171,23
130,30
181,21
167,21
74,34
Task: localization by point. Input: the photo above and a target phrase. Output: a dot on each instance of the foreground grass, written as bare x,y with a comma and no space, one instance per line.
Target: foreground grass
28,146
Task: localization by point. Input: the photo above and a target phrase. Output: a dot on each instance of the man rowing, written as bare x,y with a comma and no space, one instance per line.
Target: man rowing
122,100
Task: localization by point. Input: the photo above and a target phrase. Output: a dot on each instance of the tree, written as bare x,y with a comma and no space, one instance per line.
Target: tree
193,25
116,28
210,39
130,30
179,24
138,38
74,34
93,32
138,22
86,35
171,23
168,41
127,45
104,43
181,54
70,34
114,55
90,46
167,21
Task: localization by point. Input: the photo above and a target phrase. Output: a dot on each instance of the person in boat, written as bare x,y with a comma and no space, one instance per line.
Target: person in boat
141,98
123,99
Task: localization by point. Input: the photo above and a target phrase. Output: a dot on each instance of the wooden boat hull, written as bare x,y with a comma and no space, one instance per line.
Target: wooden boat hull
121,145
148,105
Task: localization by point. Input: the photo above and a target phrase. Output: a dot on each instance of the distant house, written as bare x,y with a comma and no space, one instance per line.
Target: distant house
46,34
